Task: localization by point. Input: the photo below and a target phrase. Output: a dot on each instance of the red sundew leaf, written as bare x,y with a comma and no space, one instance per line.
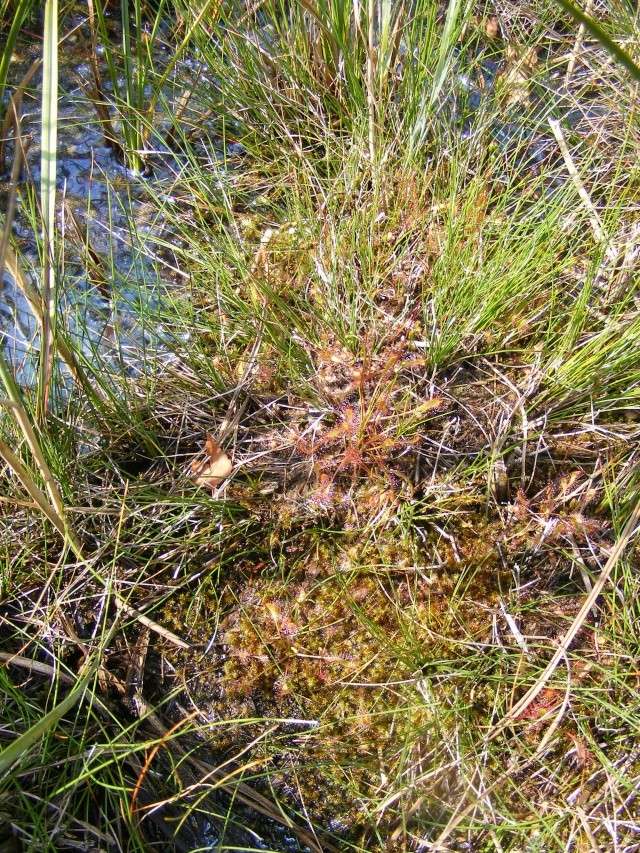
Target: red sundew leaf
548,700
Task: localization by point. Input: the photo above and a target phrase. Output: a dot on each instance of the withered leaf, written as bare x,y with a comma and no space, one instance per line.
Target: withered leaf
492,27
215,468
430,405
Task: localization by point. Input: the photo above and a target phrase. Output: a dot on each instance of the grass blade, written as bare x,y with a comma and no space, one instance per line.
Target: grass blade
37,495
48,195
599,33
445,53
18,747
20,14
446,47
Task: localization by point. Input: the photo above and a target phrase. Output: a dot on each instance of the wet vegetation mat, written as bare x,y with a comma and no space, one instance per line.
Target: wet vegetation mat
319,438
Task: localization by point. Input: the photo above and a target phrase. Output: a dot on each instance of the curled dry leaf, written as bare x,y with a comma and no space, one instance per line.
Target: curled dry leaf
492,27
215,468
584,757
499,481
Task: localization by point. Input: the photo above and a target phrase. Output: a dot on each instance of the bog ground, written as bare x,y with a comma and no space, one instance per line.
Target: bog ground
320,417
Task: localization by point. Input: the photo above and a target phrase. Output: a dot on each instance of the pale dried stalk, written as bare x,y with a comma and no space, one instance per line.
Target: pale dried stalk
149,623
616,553
35,666
594,218
577,47
48,166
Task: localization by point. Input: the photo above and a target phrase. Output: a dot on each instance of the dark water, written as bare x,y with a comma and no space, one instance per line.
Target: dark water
114,272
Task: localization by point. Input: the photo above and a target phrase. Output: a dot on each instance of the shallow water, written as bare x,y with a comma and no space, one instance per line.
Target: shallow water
108,285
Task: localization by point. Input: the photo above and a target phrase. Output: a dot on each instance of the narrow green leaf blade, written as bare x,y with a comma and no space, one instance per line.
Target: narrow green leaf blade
21,745
48,189
599,33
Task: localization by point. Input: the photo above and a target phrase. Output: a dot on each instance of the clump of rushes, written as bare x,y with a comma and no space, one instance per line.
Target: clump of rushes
132,55
412,327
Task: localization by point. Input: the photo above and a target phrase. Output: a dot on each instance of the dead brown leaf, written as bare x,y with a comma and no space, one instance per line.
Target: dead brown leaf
215,468
584,756
492,27
515,78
